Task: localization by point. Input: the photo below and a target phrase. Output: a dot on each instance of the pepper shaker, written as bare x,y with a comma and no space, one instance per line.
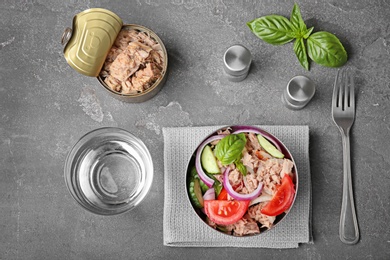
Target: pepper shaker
237,61
298,93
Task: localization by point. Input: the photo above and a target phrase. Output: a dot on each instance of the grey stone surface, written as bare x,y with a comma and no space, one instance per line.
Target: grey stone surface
45,107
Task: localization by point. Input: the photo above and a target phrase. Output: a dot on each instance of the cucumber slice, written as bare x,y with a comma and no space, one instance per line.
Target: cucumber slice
269,148
196,193
209,162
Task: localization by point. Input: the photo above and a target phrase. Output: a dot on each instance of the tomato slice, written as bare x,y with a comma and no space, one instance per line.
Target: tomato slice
223,195
225,212
282,199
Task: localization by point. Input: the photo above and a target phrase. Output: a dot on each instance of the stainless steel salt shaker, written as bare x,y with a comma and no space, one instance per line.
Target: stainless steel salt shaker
298,93
237,61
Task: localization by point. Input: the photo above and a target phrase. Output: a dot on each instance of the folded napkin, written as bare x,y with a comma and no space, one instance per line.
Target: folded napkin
183,228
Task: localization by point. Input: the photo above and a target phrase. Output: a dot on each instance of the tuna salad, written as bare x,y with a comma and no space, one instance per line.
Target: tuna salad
241,182
134,62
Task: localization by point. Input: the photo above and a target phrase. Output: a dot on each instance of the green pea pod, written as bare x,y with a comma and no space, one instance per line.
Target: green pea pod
194,173
203,186
326,49
196,193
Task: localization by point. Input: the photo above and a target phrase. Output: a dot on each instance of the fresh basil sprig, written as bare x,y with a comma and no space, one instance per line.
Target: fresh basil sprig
229,148
322,47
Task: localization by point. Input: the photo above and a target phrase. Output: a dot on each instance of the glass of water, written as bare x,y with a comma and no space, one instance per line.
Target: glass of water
109,171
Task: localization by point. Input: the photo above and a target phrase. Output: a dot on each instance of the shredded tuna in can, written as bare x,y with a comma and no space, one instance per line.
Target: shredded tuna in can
134,62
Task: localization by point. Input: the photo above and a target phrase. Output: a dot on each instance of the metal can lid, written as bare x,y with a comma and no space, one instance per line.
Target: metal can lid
237,60
299,92
89,41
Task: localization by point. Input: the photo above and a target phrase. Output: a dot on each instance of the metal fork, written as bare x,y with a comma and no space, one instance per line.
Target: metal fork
343,112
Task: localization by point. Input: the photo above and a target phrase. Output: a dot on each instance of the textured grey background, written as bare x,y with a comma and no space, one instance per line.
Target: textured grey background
45,106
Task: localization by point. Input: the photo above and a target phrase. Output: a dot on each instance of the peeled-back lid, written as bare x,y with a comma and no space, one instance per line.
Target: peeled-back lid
89,41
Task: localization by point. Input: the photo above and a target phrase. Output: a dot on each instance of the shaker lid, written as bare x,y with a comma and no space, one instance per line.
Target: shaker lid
89,41
299,92
237,60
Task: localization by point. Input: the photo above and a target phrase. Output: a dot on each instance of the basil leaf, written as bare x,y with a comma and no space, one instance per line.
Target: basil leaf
326,49
273,29
217,185
297,21
230,148
300,52
239,165
241,168
242,137
217,188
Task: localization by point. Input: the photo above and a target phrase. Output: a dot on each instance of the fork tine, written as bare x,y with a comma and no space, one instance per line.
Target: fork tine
352,91
342,94
336,90
347,88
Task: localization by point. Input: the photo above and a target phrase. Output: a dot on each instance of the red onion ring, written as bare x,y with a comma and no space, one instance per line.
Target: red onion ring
209,194
202,175
237,195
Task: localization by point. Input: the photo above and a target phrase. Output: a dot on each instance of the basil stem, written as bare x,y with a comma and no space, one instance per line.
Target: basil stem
308,32
326,49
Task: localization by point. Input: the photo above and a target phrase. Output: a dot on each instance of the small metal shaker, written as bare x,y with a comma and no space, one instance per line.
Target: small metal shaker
237,61
298,93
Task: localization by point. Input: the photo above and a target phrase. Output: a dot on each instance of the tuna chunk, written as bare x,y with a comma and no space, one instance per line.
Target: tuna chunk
113,83
251,183
245,226
129,61
145,77
235,178
254,212
254,142
287,167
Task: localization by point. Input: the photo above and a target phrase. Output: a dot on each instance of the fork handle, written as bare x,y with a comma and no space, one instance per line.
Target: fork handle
349,230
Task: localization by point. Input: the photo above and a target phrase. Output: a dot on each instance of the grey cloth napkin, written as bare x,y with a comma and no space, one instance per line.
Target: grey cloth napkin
183,228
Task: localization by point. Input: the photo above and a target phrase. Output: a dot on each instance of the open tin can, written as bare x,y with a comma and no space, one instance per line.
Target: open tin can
88,42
